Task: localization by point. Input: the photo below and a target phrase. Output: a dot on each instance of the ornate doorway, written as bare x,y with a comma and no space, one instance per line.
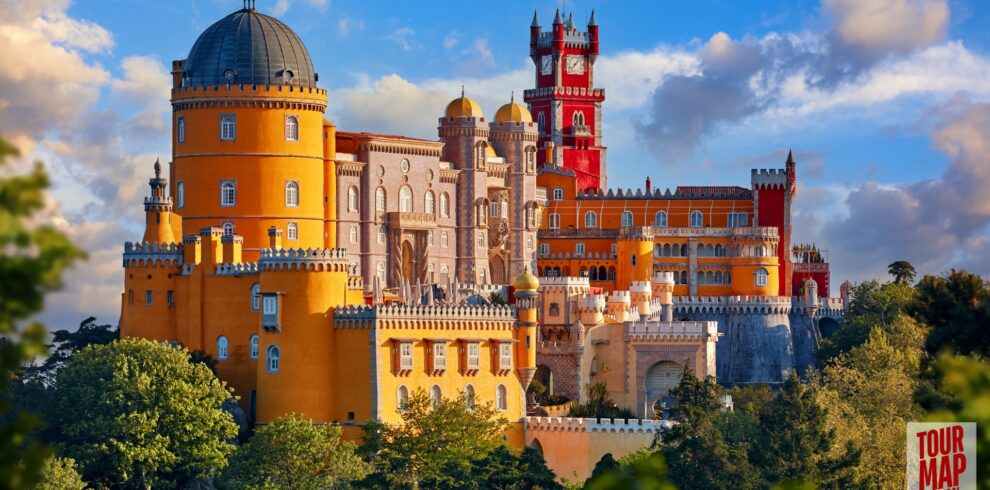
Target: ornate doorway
408,269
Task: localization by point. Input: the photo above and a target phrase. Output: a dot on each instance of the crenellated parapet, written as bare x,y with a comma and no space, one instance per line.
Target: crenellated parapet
572,424
239,269
568,285
763,178
587,256
152,254
671,331
588,302
309,260
426,317
767,305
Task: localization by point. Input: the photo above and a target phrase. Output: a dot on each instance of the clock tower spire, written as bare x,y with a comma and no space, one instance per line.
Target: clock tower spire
565,103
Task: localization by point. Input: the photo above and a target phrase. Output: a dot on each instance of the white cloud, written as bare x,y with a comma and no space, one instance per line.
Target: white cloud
888,25
345,26
404,37
451,40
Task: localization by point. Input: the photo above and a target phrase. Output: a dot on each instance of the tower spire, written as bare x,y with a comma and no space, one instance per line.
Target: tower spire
462,91
592,21
536,20
790,157
512,98
556,19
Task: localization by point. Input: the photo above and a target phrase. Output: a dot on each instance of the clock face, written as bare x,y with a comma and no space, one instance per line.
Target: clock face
546,65
575,64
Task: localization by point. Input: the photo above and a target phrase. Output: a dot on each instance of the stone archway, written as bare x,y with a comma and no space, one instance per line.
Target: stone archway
408,269
499,274
535,444
660,379
545,376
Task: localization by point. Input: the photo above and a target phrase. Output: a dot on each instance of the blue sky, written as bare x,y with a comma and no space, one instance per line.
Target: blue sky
883,101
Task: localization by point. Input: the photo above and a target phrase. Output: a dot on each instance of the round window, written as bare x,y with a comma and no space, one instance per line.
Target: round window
229,75
404,165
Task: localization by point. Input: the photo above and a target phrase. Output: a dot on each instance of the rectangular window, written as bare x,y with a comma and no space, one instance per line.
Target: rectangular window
579,249
130,297
738,219
170,297
228,127
439,356
544,249
558,194
147,297
473,355
406,356
613,249
505,356
271,305
269,311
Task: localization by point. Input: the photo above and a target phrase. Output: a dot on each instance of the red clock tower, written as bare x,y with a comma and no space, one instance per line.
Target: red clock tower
565,103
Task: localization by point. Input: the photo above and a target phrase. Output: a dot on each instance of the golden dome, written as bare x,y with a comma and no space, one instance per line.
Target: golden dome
526,281
513,112
464,107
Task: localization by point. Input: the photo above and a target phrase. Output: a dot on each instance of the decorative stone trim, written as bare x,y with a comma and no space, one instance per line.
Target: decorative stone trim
152,254
311,260
570,424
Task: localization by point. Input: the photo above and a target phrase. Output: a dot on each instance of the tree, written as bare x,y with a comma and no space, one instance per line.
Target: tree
902,271
606,464
968,379
60,474
65,343
957,309
291,452
644,474
138,412
873,305
535,472
600,405
32,260
430,439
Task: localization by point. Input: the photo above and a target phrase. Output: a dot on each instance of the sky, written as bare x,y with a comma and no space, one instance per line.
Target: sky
885,103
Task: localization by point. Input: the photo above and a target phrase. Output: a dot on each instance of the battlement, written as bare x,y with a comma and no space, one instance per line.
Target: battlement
427,317
240,269
679,193
587,256
242,89
640,287
663,277
775,178
312,260
566,282
571,424
733,304
590,302
654,330
619,297
593,94
146,254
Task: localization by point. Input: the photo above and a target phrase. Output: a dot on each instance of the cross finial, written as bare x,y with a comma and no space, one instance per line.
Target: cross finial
462,91
512,98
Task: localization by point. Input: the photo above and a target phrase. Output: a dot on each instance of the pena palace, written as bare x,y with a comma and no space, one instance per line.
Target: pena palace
332,273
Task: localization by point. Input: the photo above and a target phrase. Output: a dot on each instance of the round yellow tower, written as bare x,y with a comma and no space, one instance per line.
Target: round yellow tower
248,135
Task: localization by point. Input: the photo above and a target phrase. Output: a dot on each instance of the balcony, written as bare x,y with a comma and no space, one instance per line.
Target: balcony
410,221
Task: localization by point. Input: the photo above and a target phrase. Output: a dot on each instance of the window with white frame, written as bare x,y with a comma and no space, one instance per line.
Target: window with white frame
481,240
380,200
228,193
444,205
353,234
228,127
180,129
501,398
405,199
493,207
590,219
292,194
439,355
223,347
381,234
228,228
473,355
558,194
270,304
627,218
762,277
253,343
697,219
274,358
660,219
505,209
529,244
554,221
255,297
443,239
401,398
380,271
180,194
429,238
614,248
406,356
579,249
738,219
291,128
429,204
544,249
292,231
435,396
505,355
353,199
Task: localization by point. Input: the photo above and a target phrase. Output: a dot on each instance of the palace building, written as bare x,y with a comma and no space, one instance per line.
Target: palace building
332,273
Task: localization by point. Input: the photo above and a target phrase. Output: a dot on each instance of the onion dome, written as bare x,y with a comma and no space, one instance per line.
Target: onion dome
249,48
526,281
513,112
464,107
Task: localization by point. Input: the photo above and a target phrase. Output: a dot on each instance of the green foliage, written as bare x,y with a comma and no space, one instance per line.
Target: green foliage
535,472
606,464
957,308
968,379
431,441
873,305
902,271
60,474
644,474
538,391
32,260
137,412
65,343
600,405
291,452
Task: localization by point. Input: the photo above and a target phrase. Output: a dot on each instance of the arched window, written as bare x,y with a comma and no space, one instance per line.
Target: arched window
558,194
710,277
683,277
353,234
274,358
554,221
632,258
611,273
255,297
444,205
719,251
443,239
401,398
228,193
353,199
228,229
481,239
590,220
291,128
666,250
697,220
627,218
579,118
253,342
380,271
529,244
292,231
684,250
660,219
428,203
222,348
435,396
501,398
381,234
601,273
405,199
494,207
718,277
292,194
658,250
180,191
541,122
180,129
380,199
762,276
469,397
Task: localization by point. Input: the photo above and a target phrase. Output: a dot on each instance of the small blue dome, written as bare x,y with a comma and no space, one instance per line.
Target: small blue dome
249,48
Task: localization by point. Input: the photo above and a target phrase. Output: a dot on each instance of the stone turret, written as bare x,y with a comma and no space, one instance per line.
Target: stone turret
619,305
590,308
663,291
640,294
